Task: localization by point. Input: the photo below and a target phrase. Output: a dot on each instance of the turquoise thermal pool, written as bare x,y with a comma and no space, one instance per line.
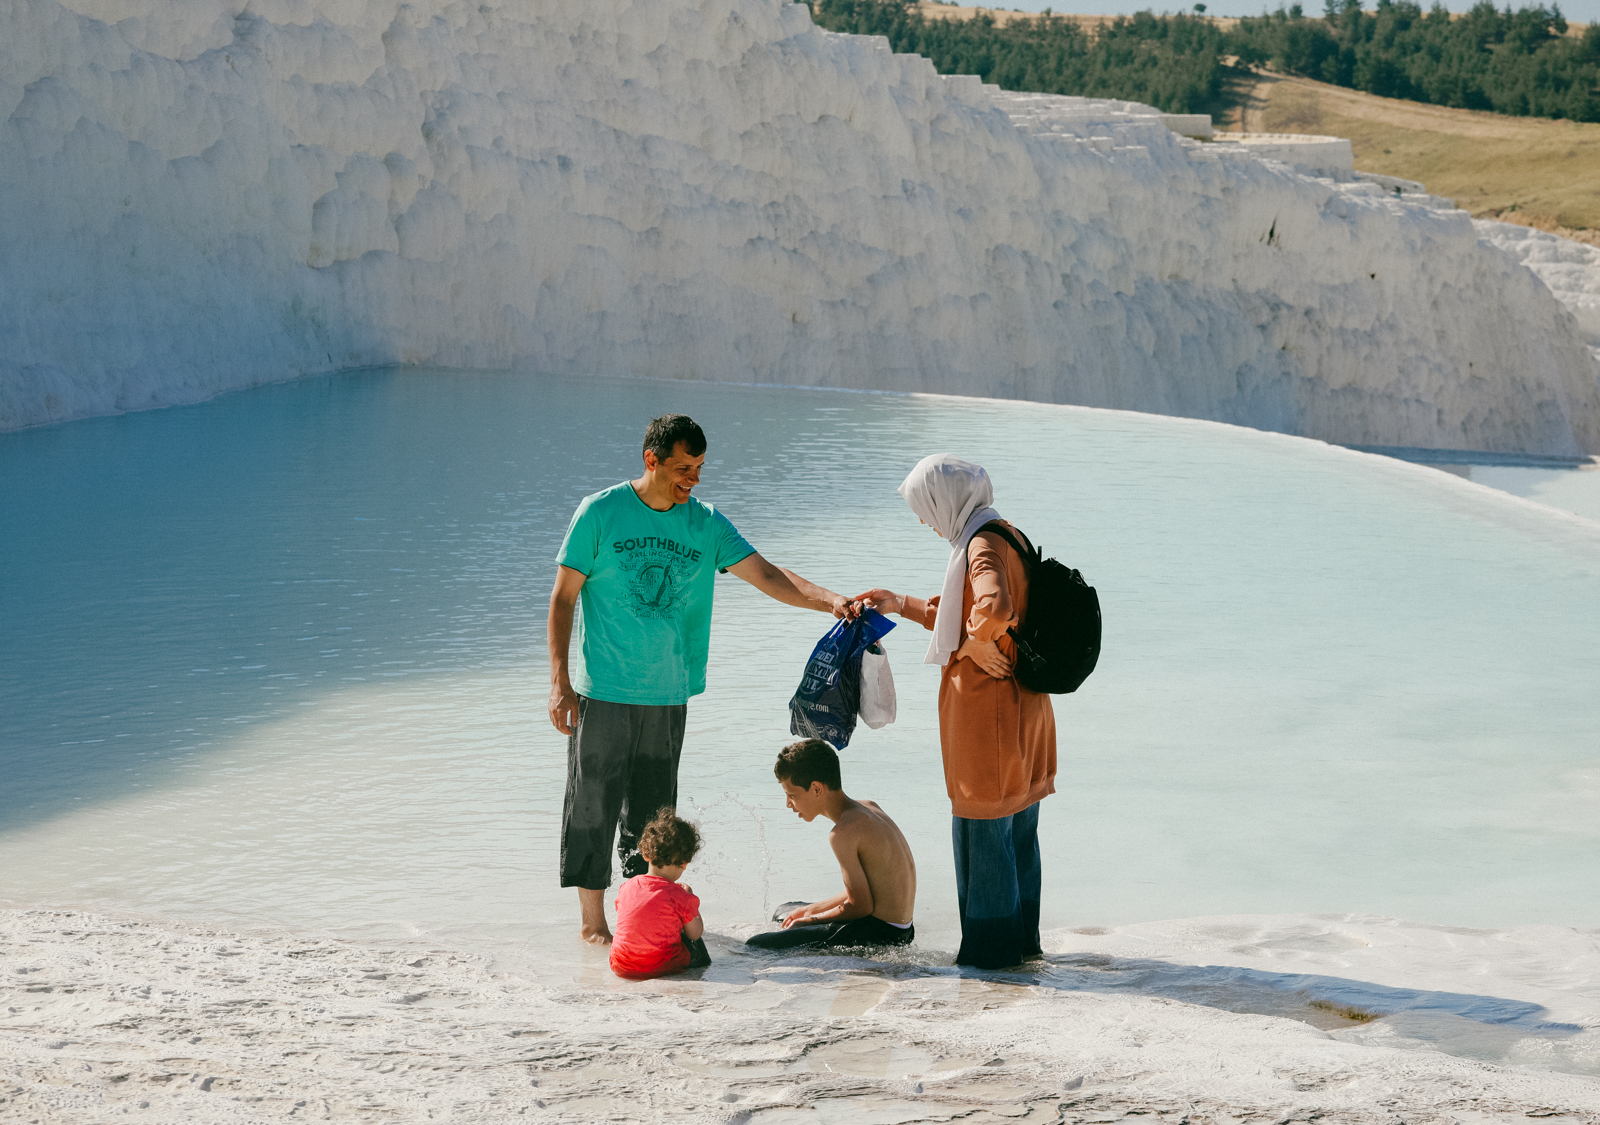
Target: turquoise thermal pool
278,659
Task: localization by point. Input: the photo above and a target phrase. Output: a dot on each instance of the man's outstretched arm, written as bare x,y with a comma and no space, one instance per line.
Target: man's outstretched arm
563,601
788,587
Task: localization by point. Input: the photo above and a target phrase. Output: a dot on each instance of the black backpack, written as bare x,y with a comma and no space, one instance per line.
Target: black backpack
1058,643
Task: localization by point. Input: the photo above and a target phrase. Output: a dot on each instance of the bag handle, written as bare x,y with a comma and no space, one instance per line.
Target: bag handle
1024,650
999,529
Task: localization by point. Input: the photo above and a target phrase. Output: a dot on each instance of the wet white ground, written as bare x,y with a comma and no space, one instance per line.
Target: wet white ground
126,1020
273,664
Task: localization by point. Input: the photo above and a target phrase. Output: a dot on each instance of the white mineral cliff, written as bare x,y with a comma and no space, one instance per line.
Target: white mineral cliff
1571,270
201,196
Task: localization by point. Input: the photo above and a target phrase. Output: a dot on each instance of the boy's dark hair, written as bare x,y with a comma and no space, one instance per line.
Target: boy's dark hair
801,763
668,841
663,434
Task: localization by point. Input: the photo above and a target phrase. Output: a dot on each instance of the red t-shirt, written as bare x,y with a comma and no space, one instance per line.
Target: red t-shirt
651,914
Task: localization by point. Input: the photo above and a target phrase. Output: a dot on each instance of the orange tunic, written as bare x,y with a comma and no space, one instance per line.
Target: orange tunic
998,738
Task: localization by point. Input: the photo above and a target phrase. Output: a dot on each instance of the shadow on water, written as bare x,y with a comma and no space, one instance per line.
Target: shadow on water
173,577
1479,457
1323,1001
1487,1028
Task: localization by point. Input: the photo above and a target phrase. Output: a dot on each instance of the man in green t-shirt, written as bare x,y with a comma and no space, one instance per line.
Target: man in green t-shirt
641,557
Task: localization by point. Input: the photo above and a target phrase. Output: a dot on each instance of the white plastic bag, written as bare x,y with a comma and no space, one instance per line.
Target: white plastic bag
877,688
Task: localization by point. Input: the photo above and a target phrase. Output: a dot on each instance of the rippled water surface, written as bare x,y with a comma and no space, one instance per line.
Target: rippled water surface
279,658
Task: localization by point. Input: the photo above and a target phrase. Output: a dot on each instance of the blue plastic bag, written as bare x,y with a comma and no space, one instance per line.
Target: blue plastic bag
829,695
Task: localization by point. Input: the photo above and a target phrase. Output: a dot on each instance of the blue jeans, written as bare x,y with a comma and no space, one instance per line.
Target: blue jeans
997,887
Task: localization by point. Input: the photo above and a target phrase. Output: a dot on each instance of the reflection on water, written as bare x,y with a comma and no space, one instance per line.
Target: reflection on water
1570,484
280,657
1575,490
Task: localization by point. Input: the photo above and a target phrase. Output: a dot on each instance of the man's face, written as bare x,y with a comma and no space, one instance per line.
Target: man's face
806,803
680,471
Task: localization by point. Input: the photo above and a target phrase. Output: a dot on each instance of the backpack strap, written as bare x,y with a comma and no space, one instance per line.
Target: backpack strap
1000,530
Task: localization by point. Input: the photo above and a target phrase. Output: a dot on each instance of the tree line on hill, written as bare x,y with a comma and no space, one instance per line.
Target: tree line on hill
1520,62
1172,62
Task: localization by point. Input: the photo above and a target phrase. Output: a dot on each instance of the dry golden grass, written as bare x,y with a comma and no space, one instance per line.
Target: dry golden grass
1003,16
1528,170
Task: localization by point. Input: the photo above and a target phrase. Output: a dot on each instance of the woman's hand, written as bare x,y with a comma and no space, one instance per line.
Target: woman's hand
884,601
987,656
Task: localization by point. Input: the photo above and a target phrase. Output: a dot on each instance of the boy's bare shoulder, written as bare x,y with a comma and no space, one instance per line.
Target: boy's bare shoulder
865,819
881,816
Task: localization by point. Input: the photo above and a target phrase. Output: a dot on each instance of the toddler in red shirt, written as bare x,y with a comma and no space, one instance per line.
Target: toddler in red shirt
658,920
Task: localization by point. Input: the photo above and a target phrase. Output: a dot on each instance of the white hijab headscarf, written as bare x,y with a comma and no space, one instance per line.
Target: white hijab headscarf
953,497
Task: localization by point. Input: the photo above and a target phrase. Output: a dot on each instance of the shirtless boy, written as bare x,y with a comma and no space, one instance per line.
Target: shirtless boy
880,877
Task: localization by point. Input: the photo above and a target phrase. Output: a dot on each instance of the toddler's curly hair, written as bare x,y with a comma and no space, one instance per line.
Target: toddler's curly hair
668,840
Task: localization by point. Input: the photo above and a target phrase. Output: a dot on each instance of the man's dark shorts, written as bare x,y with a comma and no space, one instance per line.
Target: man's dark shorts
622,765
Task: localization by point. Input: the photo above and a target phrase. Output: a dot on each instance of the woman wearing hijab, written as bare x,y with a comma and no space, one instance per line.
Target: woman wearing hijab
998,738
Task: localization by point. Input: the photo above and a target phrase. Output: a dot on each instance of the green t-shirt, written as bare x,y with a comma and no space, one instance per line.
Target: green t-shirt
645,625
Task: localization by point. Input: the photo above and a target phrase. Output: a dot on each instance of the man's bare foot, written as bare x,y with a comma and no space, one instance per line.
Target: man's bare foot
592,905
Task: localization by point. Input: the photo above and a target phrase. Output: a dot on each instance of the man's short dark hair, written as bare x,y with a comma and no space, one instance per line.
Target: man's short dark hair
663,434
801,763
668,841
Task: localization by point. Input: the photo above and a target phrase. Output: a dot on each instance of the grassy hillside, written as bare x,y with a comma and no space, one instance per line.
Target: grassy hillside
932,9
1519,62
1175,63
1533,170
1523,169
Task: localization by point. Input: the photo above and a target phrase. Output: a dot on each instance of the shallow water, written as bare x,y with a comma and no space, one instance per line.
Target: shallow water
279,658
1575,490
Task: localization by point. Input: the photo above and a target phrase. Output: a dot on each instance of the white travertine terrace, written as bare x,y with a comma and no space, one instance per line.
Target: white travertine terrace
201,196
1318,156
1570,269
